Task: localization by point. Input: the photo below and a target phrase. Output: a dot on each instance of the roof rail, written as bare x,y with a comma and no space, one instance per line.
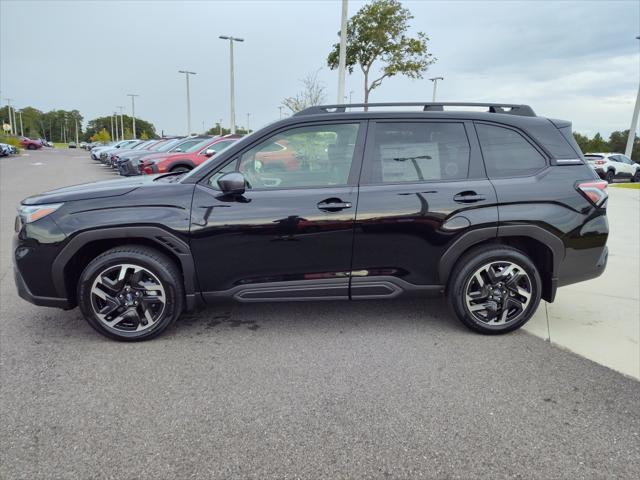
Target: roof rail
508,108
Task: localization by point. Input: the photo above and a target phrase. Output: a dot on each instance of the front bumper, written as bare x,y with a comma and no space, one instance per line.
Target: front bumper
25,294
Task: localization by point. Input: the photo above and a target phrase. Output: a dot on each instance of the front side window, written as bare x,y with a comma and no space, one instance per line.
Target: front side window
507,153
417,152
311,156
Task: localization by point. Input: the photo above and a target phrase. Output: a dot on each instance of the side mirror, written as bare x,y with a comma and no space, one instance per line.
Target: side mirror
210,152
232,183
178,149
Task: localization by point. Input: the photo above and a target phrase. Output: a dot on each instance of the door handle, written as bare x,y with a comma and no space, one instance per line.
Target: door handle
333,205
468,197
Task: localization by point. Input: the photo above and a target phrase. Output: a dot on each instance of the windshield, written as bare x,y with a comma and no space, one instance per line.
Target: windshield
198,146
186,144
165,147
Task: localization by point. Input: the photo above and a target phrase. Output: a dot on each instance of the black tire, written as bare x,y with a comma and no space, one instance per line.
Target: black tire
149,259
31,147
463,274
636,176
610,176
180,168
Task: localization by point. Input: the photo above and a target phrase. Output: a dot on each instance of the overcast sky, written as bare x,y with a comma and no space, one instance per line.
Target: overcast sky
574,60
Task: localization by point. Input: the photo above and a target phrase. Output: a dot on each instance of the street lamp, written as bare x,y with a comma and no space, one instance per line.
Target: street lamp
342,54
248,129
133,111
634,122
186,74
232,94
11,121
21,130
121,107
112,131
435,85
280,107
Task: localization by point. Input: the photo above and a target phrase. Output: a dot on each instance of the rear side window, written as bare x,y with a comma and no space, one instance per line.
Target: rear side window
507,153
417,152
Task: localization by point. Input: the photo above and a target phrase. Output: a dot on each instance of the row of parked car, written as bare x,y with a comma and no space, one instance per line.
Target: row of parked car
178,154
6,150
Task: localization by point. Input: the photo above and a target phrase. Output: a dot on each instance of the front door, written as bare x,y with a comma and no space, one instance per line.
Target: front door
290,235
423,186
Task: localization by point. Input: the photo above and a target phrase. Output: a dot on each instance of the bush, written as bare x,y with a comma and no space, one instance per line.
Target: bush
10,141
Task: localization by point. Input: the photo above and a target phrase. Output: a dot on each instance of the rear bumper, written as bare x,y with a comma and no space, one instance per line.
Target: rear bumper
581,265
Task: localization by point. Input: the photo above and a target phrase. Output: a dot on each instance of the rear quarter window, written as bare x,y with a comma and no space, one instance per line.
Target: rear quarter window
507,153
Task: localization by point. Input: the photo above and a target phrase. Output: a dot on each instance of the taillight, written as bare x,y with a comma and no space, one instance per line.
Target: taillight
600,162
595,192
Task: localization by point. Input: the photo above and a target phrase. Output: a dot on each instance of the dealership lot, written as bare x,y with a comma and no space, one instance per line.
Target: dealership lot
333,390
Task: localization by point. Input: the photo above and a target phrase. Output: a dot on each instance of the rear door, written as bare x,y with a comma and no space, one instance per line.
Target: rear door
422,187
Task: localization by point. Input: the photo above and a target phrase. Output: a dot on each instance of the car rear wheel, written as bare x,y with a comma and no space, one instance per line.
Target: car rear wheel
131,293
610,176
180,168
31,147
636,176
494,289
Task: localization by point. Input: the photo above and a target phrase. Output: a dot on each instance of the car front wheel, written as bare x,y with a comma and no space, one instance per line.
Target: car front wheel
131,293
494,289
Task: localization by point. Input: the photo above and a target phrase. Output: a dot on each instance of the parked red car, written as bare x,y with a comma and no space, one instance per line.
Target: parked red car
30,144
191,158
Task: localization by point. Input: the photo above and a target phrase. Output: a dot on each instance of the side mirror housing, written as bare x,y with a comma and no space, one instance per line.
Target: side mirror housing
210,152
232,183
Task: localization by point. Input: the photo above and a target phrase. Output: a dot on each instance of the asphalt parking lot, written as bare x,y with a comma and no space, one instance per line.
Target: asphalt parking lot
394,389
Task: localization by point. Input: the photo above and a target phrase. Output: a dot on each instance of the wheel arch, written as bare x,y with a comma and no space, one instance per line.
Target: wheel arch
544,248
85,246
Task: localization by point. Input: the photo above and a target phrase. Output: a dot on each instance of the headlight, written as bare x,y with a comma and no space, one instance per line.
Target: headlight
31,213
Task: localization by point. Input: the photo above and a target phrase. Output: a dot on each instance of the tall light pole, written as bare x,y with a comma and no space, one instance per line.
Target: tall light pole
231,81
220,125
21,130
133,111
121,107
186,74
112,135
116,138
342,58
9,112
76,119
280,107
435,86
248,129
634,123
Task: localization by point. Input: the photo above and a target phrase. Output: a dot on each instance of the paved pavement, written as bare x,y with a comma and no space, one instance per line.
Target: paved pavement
600,319
392,389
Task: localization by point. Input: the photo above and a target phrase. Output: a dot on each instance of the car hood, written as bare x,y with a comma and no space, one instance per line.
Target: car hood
85,191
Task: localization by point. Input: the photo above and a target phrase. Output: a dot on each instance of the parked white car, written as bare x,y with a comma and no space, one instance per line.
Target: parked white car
610,166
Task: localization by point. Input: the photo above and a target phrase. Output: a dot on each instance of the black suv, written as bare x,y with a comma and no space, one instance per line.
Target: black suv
494,208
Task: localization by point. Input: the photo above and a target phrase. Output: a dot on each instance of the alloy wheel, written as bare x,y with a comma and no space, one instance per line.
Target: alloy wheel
498,293
127,298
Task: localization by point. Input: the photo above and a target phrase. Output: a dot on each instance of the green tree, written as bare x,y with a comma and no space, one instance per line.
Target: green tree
598,144
378,33
101,136
218,130
144,136
100,123
582,141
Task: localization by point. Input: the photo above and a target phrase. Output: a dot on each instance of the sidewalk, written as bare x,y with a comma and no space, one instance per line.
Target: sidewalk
600,319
